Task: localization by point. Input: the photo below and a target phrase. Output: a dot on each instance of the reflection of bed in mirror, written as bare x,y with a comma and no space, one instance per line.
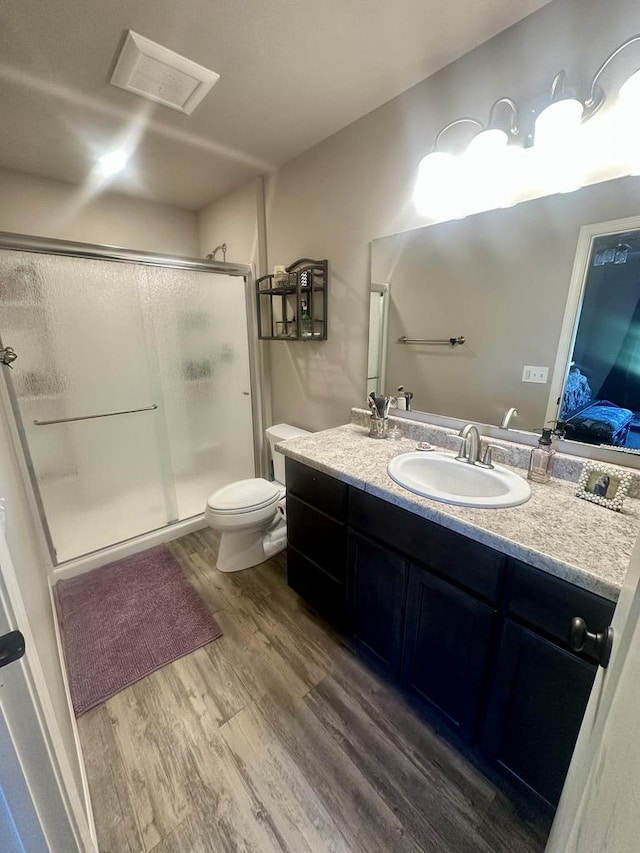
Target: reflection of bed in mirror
582,418
504,278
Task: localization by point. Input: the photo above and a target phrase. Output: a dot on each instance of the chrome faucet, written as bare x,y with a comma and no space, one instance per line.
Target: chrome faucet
506,420
470,447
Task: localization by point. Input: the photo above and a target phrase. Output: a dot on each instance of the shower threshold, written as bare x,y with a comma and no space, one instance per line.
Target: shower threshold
102,556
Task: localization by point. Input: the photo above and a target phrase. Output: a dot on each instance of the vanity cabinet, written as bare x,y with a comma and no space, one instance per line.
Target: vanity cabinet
476,639
450,614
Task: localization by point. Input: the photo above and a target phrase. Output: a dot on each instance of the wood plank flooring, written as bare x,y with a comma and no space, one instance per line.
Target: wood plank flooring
277,738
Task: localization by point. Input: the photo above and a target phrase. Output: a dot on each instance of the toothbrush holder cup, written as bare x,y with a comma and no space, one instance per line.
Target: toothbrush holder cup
378,427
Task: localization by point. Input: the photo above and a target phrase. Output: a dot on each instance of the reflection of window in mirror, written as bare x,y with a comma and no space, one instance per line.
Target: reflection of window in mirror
378,311
601,399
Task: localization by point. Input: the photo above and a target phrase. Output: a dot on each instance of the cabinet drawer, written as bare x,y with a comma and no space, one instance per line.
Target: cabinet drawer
470,564
321,538
550,603
320,490
323,592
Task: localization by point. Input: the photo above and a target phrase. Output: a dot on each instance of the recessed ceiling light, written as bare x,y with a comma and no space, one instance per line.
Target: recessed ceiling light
111,163
161,75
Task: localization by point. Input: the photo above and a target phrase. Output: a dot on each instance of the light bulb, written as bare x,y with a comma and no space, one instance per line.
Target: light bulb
629,94
483,164
557,123
488,143
558,147
626,124
433,184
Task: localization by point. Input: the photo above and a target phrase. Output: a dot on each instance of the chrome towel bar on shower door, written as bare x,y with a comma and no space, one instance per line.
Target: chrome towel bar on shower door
99,415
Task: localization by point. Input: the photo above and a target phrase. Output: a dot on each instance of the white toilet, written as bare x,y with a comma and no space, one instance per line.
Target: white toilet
250,514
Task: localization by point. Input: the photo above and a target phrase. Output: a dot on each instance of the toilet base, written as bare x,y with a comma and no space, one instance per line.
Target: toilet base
242,549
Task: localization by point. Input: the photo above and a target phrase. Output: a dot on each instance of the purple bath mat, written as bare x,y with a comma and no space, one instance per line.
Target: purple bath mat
125,620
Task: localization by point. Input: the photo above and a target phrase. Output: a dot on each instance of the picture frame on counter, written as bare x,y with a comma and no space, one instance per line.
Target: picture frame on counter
604,485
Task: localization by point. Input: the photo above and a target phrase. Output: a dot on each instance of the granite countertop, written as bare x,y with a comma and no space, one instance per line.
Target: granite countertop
555,531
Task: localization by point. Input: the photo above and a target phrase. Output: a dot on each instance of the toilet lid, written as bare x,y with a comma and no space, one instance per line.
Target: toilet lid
244,495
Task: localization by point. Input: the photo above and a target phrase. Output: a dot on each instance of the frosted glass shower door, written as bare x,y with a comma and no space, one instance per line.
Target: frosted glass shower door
78,329
200,323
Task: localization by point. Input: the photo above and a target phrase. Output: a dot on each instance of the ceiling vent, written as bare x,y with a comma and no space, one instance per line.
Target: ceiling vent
158,74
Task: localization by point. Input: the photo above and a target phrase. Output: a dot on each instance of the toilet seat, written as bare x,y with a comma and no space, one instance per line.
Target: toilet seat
245,496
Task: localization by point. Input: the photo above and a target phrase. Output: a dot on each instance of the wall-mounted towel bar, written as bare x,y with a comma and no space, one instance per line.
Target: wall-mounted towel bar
433,341
99,415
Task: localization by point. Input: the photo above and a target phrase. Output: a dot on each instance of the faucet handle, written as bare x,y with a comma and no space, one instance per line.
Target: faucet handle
487,459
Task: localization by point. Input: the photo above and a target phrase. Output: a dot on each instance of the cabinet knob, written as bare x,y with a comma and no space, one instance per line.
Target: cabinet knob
599,645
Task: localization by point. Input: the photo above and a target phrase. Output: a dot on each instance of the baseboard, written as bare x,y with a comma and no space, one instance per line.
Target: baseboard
79,566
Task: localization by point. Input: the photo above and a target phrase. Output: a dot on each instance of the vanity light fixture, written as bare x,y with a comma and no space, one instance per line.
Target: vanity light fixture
494,137
557,140
566,112
437,170
629,93
557,122
432,194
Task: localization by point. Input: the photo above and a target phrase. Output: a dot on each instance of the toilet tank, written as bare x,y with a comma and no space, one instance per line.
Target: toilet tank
275,434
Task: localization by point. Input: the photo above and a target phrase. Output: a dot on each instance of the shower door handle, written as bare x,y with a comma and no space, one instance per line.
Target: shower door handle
99,415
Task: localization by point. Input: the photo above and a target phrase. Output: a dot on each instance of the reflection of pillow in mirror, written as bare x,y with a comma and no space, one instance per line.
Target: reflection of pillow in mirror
577,393
601,422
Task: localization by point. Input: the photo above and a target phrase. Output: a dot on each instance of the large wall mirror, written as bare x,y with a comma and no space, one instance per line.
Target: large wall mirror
505,280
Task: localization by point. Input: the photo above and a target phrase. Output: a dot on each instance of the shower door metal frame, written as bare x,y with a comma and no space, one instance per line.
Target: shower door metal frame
51,246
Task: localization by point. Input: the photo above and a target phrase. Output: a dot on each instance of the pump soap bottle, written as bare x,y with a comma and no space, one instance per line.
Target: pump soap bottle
541,462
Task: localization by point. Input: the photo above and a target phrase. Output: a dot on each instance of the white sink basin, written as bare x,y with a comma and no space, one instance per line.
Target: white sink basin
443,478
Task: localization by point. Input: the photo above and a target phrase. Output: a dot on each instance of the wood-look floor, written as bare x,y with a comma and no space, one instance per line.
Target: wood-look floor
276,738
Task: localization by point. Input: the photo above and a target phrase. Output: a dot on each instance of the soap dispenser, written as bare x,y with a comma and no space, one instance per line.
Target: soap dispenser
541,462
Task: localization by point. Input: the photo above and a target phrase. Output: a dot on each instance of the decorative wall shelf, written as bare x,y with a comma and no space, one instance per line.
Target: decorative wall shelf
294,309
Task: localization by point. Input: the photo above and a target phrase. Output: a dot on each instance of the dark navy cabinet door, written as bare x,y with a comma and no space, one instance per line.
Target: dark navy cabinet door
536,707
376,593
448,636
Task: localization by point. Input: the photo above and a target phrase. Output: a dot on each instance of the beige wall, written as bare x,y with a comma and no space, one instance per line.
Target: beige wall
332,200
500,278
46,208
233,220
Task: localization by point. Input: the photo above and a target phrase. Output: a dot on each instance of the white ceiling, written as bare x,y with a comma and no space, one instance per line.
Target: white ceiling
293,72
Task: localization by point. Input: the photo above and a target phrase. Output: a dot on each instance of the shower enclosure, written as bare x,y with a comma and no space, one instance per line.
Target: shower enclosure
132,390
